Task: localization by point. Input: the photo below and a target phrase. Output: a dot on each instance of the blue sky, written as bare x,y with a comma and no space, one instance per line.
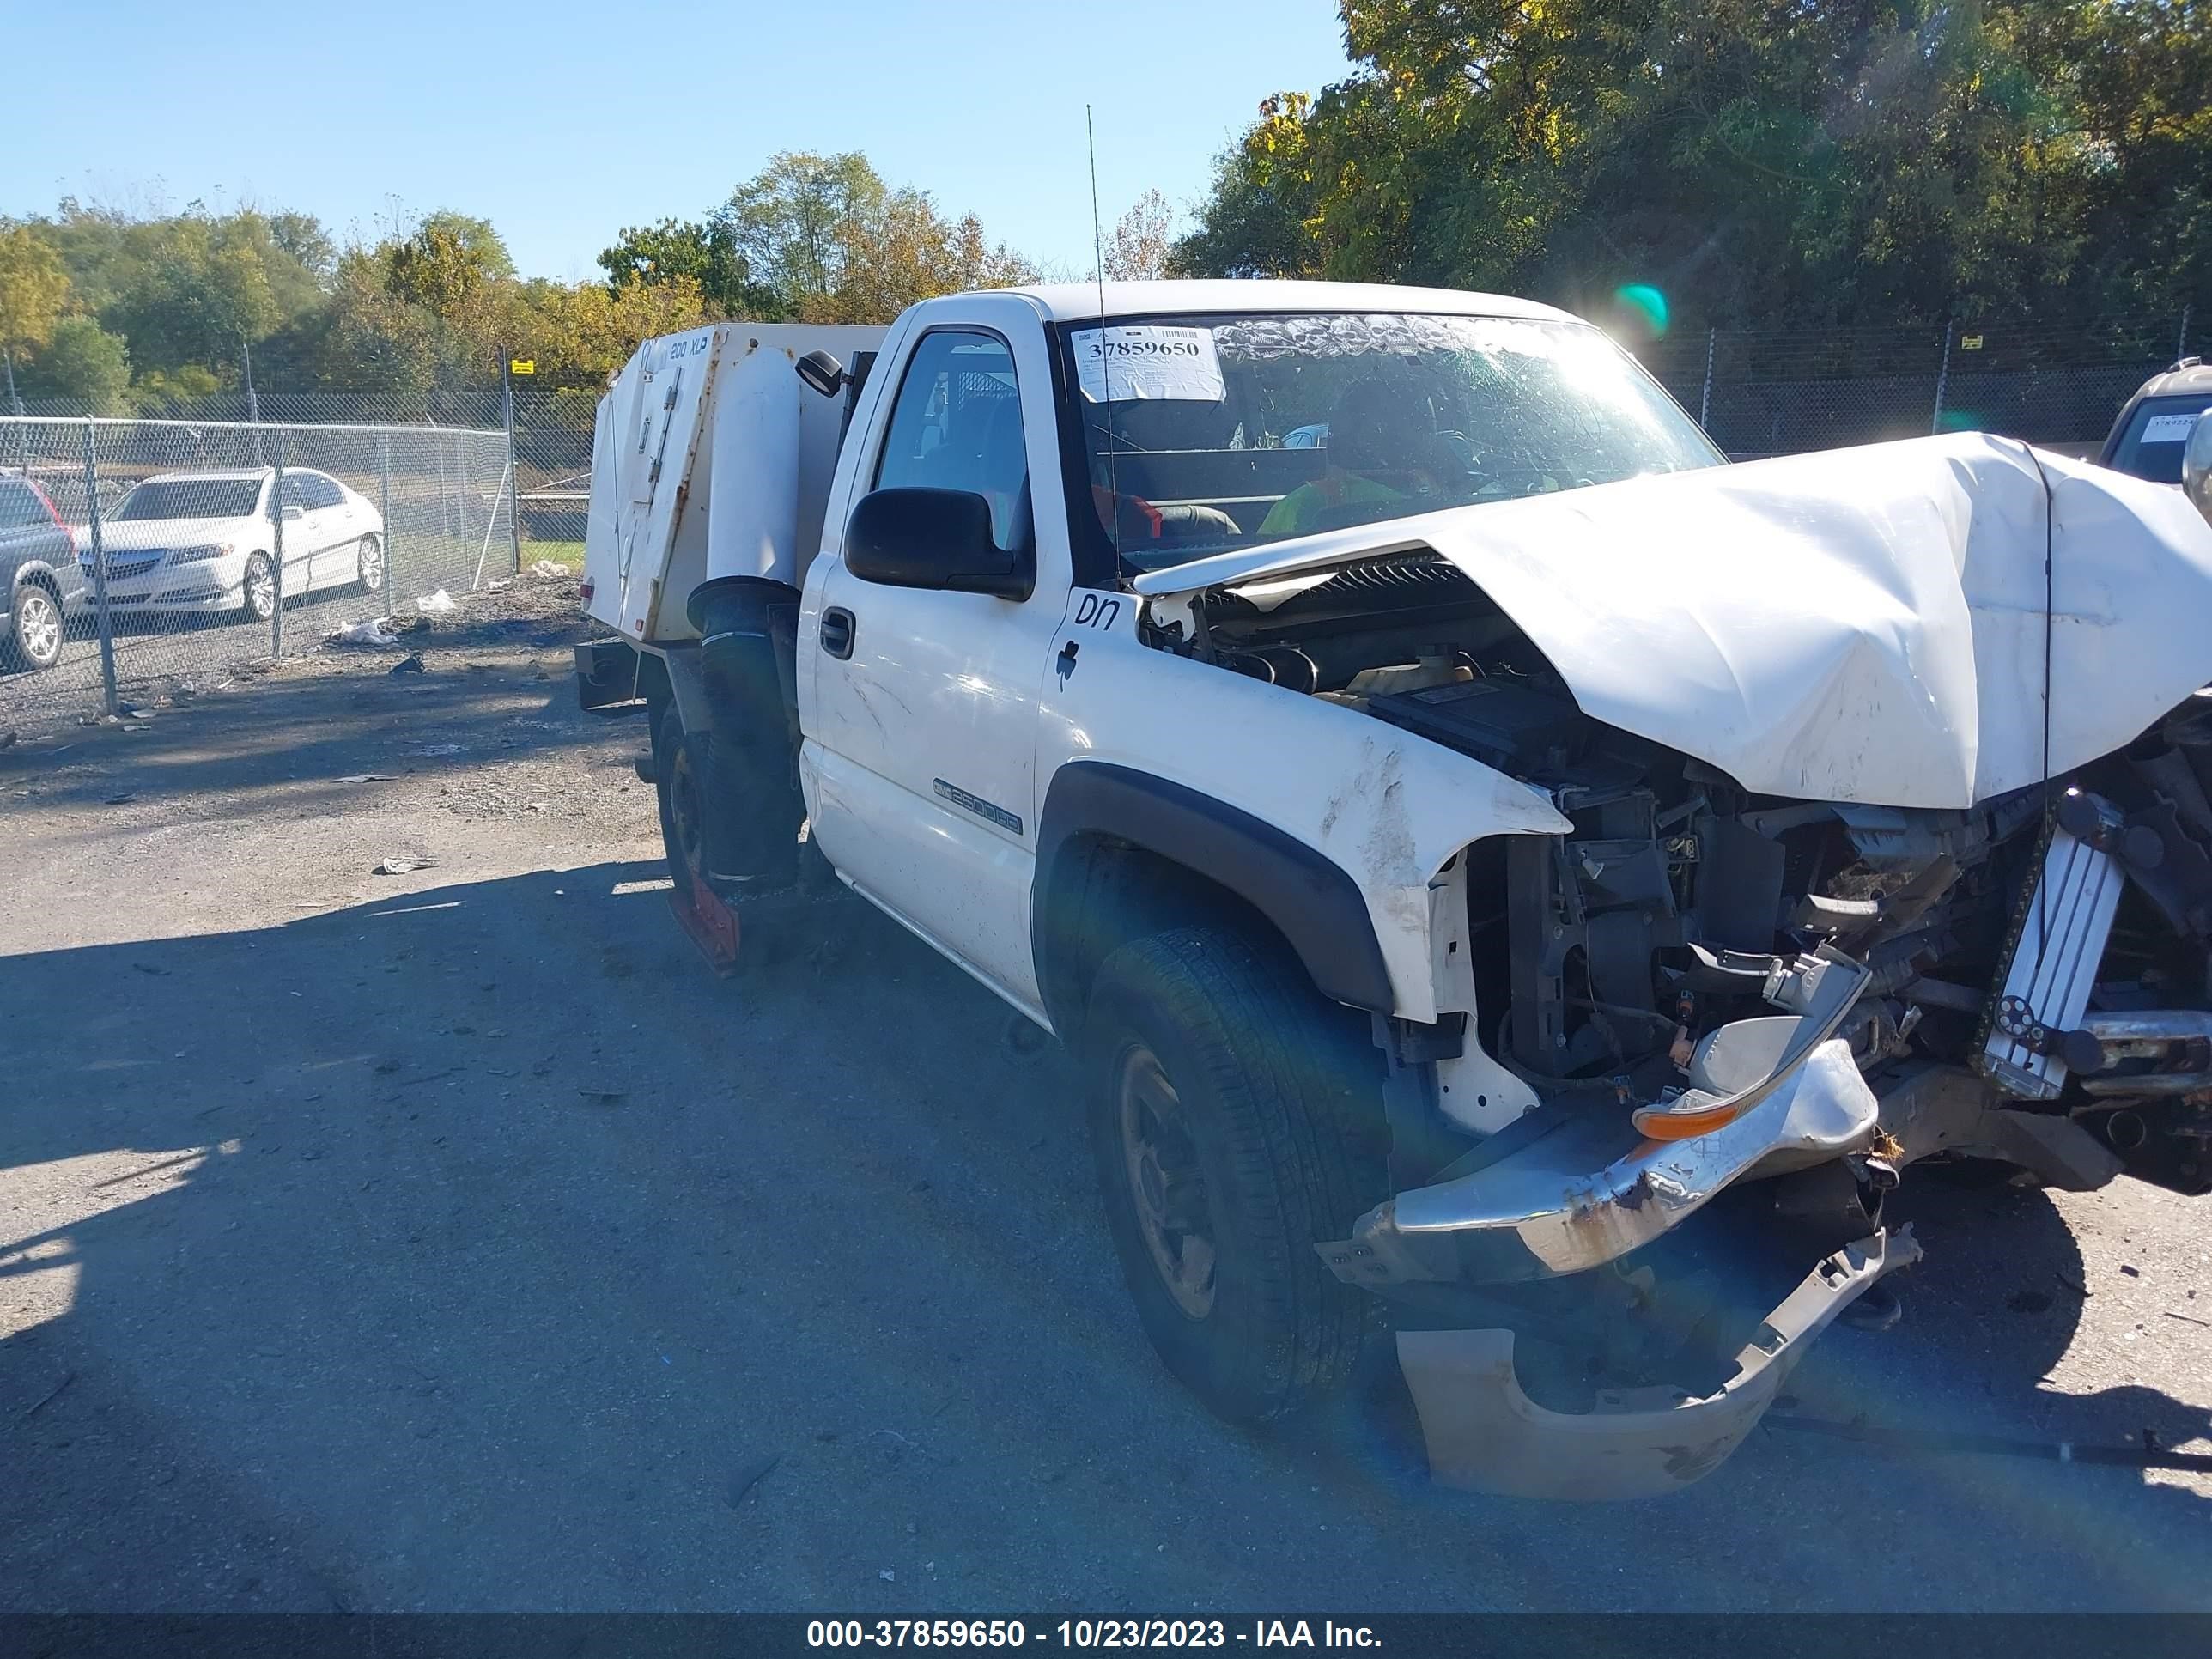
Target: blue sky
561,123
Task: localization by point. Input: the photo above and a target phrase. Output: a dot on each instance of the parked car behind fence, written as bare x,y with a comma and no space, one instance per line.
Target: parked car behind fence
210,564
38,563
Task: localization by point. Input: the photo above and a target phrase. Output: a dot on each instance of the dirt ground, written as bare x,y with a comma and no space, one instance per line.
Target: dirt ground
452,1240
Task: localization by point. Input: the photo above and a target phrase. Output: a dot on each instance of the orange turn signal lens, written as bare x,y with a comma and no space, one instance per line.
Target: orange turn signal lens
1673,1122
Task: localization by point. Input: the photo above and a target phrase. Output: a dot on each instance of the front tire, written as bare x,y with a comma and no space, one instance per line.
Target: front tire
34,629
1236,1118
259,588
368,565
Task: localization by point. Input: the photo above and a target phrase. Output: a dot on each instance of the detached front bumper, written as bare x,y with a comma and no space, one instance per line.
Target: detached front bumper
1484,1434
1570,1187
1576,1190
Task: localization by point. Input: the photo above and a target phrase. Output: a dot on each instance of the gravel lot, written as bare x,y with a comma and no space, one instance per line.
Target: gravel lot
453,1241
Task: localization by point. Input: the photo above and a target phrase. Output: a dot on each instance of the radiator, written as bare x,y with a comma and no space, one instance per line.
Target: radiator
2060,941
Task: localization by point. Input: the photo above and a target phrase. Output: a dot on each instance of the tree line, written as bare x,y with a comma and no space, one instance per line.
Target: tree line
123,312
1770,163
1807,163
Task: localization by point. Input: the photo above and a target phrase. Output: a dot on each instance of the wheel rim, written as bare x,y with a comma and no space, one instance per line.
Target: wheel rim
261,588
39,627
1164,1181
371,564
684,810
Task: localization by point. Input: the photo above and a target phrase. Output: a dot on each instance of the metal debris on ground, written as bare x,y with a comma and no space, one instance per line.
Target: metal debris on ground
2150,1455
410,664
404,863
368,777
749,1476
370,634
50,1395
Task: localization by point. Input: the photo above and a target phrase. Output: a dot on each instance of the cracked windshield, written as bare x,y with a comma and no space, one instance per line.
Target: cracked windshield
1205,434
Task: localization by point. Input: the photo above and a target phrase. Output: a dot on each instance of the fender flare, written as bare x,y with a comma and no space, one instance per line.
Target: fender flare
38,571
1314,903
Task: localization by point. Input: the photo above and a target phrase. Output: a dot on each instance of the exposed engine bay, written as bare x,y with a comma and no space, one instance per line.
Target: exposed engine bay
2055,940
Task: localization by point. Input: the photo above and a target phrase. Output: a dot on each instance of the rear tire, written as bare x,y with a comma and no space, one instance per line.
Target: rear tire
259,602
1236,1118
34,639
677,757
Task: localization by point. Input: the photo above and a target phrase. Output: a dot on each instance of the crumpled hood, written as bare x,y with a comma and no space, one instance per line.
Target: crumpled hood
1859,625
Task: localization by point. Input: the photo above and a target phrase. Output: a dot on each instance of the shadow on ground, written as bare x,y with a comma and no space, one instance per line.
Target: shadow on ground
484,696
474,1249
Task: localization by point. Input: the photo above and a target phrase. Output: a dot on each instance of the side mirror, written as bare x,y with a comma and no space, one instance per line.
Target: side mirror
938,539
294,510
2197,465
822,372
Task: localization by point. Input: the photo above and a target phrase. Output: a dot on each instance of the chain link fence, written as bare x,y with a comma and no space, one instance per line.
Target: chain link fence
552,439
1776,391
146,556
459,485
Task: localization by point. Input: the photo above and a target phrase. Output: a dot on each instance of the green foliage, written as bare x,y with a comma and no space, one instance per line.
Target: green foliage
109,306
478,243
1881,160
825,239
704,253
33,287
797,222
163,388
83,362
202,297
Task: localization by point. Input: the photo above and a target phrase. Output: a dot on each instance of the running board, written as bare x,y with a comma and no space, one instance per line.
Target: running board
2033,1033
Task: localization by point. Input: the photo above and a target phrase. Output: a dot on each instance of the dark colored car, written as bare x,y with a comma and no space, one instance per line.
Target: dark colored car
38,573
2152,430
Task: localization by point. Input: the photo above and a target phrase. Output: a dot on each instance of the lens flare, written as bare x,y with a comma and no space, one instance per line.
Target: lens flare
1647,303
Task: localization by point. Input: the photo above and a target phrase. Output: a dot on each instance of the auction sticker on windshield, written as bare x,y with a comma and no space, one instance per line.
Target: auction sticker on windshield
1134,362
2168,429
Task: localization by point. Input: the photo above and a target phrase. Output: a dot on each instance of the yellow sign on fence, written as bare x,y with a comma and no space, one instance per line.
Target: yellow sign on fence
1966,343
522,366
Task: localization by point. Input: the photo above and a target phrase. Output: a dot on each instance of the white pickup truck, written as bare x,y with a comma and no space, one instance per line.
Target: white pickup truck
1461,827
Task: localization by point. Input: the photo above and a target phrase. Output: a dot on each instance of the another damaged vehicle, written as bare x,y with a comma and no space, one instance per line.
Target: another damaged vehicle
1463,827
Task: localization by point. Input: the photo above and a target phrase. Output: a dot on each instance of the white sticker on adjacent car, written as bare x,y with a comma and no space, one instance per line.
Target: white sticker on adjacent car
1133,362
2168,429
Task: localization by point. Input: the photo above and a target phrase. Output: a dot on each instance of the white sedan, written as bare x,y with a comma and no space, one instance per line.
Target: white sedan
208,541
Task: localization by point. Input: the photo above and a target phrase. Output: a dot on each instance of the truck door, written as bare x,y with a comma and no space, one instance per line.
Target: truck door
920,725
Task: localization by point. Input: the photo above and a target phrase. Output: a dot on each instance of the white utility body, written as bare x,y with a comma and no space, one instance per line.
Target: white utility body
1461,825
717,403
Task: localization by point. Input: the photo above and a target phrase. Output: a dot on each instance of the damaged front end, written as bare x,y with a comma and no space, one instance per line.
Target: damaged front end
1704,986
1484,1432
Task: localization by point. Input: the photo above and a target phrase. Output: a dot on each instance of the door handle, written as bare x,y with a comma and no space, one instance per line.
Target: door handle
836,632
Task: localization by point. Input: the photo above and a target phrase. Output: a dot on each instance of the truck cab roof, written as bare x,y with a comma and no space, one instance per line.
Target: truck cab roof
1075,302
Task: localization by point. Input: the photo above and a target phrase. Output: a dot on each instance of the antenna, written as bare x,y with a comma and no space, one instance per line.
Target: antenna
1105,356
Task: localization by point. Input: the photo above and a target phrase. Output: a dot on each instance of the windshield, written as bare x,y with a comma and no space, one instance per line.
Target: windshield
1207,433
2157,433
190,498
